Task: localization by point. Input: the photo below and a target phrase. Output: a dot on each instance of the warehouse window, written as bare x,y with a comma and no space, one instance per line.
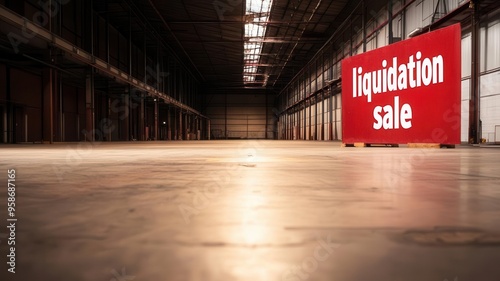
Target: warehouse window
257,16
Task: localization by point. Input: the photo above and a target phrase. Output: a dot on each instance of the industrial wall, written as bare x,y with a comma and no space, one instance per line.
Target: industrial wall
319,118
82,73
303,112
242,115
489,67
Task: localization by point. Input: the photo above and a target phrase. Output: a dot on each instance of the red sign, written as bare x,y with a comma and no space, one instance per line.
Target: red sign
407,92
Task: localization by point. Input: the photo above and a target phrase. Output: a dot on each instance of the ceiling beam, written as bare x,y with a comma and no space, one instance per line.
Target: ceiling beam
277,40
256,64
240,22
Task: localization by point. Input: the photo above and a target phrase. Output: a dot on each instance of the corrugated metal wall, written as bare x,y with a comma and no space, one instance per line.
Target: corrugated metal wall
418,14
490,77
240,115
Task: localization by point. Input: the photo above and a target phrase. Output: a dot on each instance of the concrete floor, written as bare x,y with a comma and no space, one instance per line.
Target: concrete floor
252,210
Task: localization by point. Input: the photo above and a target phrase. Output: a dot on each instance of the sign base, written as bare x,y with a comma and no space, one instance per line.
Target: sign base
364,144
410,145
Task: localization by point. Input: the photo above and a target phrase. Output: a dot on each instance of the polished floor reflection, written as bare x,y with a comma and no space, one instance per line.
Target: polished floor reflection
253,210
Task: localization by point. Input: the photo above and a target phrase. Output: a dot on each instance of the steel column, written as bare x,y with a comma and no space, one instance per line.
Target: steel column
61,110
155,129
142,112
89,105
169,124
180,132
109,116
267,121
48,104
363,24
390,17
474,104
9,111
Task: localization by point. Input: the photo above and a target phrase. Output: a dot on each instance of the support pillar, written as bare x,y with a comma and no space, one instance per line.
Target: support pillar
304,131
267,119
363,25
8,115
198,128
186,127
179,136
5,125
109,136
330,105
89,108
48,105
59,92
155,129
308,137
174,124
474,103
169,124
322,117
126,118
335,124
316,118
130,115
390,18
142,132
225,117
208,129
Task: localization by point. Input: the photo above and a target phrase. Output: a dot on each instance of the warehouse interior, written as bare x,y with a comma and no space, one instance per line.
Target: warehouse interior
201,140
186,70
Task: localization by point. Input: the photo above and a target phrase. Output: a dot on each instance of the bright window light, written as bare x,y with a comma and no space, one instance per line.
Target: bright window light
257,15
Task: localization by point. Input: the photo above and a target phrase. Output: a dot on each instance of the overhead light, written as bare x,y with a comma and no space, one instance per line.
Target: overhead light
256,18
415,32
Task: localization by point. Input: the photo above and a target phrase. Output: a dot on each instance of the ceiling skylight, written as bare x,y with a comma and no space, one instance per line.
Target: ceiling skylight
257,16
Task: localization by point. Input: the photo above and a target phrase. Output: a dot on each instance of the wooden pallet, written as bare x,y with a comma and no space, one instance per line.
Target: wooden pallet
364,144
410,145
430,145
